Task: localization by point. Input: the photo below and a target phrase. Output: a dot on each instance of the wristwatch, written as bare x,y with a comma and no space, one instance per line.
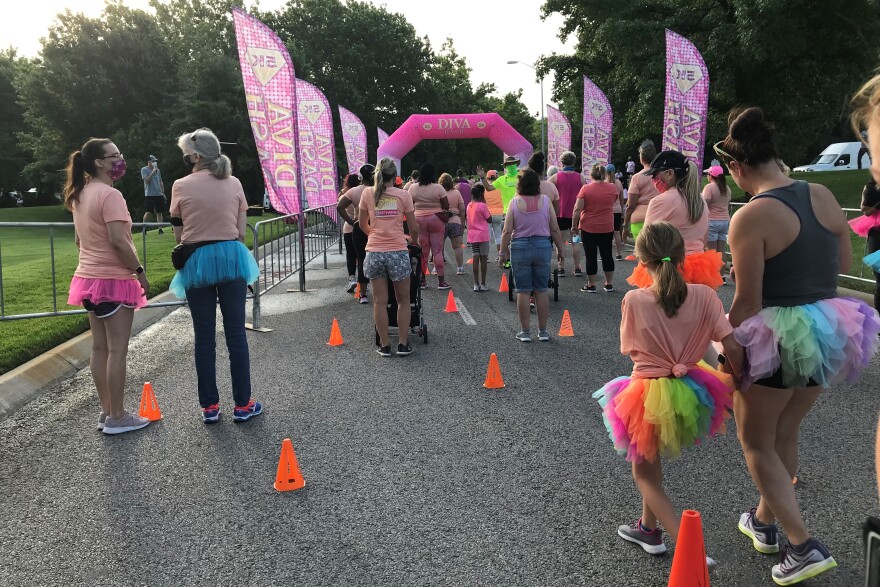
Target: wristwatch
139,269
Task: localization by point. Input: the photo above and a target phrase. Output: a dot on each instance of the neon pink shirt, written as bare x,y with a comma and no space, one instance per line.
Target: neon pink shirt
671,207
568,184
718,203
599,198
426,198
656,343
478,222
209,207
386,219
641,185
456,204
99,204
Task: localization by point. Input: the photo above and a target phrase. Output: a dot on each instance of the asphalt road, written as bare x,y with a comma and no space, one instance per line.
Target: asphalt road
415,474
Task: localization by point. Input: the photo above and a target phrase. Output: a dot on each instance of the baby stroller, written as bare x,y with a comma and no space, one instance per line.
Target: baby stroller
554,284
417,324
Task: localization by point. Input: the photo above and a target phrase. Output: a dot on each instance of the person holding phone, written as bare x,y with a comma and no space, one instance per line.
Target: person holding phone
154,190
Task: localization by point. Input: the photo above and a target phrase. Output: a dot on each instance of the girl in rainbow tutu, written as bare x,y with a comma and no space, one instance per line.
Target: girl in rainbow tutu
672,400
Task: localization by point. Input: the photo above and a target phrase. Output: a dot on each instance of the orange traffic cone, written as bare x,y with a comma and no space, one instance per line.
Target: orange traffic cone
470,261
357,292
427,270
335,334
493,374
450,303
630,257
689,568
565,328
503,288
288,476
149,406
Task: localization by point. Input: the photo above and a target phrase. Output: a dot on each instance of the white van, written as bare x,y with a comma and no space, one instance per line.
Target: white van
838,157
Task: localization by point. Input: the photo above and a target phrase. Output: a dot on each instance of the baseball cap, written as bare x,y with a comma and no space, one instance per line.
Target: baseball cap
152,158
716,170
610,168
491,174
667,160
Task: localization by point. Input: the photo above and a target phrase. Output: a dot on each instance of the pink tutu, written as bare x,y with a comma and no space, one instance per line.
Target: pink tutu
123,291
863,224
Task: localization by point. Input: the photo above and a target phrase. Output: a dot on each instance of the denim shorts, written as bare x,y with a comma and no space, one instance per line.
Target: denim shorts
393,265
530,261
718,230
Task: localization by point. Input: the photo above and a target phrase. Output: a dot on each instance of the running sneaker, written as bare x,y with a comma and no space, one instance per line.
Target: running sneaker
560,272
724,280
459,271
524,336
650,541
211,414
507,264
101,419
543,336
484,287
618,258
798,563
531,302
404,349
126,423
477,287
363,299
384,351
608,287
578,272
245,413
424,284
589,288
352,285
443,285
765,537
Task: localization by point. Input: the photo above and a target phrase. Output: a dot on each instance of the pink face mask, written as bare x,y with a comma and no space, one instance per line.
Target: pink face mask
659,184
117,170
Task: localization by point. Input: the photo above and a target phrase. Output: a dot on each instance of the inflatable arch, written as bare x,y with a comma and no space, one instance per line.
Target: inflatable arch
420,127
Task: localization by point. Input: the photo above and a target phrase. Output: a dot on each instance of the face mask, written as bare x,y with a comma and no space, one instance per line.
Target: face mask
511,170
659,185
188,163
117,170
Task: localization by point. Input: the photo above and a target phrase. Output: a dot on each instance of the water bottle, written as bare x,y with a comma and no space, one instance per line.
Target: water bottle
576,239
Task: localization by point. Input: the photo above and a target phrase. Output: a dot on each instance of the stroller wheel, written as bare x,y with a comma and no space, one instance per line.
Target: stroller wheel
424,333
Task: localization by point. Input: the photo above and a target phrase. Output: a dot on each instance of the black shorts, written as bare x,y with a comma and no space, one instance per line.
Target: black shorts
775,381
155,204
618,221
103,309
564,223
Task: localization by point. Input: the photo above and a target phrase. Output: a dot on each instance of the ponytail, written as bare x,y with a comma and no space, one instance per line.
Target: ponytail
689,188
386,171
661,248
80,166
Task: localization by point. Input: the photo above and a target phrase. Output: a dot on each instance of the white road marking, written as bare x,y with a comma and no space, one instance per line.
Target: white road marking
465,315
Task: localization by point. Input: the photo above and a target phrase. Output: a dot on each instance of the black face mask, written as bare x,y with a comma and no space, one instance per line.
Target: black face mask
188,164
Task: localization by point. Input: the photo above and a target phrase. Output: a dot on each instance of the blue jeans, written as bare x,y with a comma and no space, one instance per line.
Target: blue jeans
530,261
203,307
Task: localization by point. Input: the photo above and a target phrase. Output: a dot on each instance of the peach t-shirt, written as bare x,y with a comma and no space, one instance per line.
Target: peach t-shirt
386,219
656,343
641,185
717,203
549,190
494,202
426,198
456,204
671,207
99,204
209,207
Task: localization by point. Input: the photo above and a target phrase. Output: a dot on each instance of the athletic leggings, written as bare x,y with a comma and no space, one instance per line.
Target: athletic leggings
602,242
360,249
432,234
874,245
350,253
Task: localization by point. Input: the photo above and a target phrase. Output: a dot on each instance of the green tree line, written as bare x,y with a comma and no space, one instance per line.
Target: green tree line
143,78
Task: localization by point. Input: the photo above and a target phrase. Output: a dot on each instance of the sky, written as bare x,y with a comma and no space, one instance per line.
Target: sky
470,23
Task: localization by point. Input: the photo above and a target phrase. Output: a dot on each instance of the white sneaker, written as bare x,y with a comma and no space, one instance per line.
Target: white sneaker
484,287
477,287
523,336
351,286
126,423
459,271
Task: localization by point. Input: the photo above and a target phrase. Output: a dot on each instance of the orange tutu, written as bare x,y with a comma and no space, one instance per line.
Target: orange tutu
704,268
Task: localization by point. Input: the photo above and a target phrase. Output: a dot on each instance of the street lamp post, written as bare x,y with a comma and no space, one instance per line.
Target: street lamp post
543,149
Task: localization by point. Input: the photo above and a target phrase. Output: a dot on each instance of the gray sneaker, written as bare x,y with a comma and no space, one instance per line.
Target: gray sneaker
126,423
523,336
764,536
101,419
810,559
543,336
651,542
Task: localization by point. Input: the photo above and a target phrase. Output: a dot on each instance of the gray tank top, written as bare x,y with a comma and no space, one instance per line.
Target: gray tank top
806,271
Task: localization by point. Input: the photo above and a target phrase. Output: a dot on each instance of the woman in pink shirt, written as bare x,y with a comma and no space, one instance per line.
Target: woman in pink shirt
429,199
595,213
641,192
208,213
109,280
678,182
568,183
383,208
672,400
455,226
717,196
346,210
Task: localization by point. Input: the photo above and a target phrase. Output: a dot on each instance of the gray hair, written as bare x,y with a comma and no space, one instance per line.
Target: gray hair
204,143
647,151
568,158
552,170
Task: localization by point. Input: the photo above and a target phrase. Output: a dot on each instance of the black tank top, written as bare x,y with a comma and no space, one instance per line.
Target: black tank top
806,271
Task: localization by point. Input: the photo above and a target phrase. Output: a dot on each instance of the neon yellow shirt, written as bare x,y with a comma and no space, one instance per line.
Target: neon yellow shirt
507,186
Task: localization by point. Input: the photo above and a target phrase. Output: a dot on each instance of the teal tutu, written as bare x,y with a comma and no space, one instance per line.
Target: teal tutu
872,261
213,264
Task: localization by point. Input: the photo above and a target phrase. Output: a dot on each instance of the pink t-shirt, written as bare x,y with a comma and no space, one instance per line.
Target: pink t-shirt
456,204
616,208
641,185
99,204
354,194
718,203
209,207
478,222
656,343
426,198
549,190
568,184
671,207
386,219
599,198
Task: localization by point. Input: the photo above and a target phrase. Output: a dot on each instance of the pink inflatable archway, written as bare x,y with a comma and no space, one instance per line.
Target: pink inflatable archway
419,127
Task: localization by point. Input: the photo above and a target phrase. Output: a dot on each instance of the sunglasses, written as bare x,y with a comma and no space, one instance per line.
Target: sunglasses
721,152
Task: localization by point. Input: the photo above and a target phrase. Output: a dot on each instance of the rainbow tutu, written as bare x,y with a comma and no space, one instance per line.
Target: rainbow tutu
873,261
213,264
647,417
828,341
863,224
703,268
121,291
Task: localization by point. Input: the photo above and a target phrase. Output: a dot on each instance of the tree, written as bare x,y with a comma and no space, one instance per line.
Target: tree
12,157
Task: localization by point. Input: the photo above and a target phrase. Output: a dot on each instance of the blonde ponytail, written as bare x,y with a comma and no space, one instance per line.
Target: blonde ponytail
689,188
661,248
386,171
